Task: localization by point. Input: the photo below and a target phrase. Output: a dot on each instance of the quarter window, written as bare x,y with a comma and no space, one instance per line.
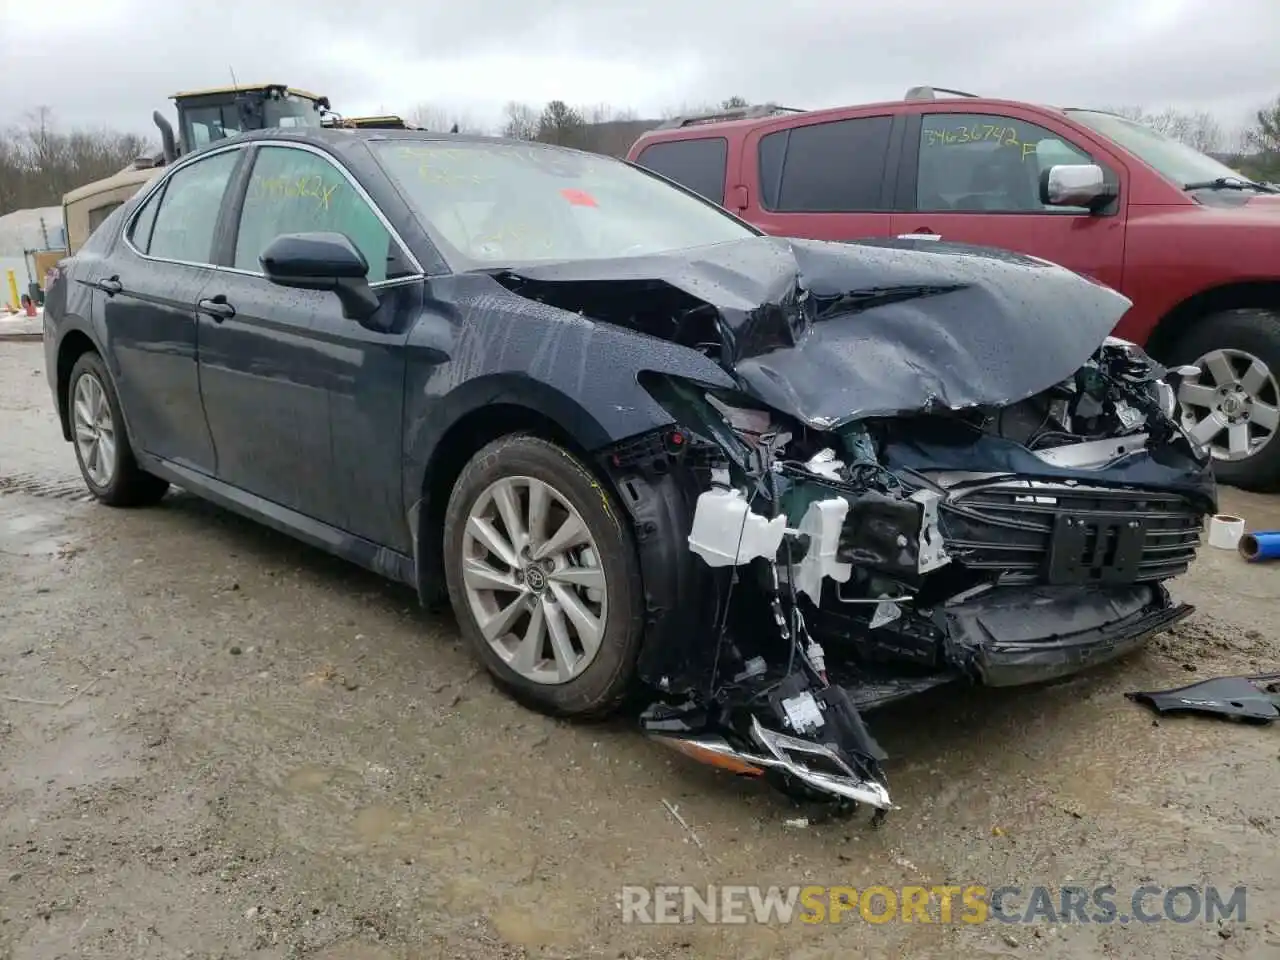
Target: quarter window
698,164
980,163
835,167
140,232
188,214
297,191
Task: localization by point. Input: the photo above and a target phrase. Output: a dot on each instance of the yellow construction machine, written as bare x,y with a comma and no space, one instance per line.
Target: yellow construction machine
203,117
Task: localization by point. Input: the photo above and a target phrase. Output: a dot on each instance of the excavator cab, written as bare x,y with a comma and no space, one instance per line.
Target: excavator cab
203,117
208,115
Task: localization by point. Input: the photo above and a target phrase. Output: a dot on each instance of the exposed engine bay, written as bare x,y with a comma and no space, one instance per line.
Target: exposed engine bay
916,483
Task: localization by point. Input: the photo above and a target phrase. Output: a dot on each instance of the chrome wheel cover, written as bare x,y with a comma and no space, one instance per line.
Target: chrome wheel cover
533,580
94,429
1234,408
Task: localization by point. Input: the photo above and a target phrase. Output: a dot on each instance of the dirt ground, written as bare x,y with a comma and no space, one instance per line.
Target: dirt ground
240,747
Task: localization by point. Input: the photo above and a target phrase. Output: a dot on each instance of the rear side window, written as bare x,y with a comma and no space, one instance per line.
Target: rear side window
835,167
188,214
697,164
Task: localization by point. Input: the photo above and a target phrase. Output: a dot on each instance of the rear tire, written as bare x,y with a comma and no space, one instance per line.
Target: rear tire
101,442
530,622
1244,395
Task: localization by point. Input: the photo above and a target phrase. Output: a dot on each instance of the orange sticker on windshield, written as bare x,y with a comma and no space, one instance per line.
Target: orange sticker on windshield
579,198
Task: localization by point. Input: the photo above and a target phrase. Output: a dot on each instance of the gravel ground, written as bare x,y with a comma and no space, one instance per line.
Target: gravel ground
215,742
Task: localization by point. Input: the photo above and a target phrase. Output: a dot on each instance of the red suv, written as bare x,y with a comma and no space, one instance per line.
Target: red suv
1194,245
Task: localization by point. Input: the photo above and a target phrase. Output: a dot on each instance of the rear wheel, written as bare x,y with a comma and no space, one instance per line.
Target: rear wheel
102,446
1235,405
543,577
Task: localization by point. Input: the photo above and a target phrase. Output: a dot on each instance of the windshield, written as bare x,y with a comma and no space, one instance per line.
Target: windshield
216,121
1172,158
291,111
496,204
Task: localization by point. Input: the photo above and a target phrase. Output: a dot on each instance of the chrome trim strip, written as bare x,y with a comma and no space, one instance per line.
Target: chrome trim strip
419,275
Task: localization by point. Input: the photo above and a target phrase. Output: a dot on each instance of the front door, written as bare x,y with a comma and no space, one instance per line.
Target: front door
975,178
148,307
305,405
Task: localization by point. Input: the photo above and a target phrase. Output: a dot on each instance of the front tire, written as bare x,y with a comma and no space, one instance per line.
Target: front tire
543,577
1236,405
101,442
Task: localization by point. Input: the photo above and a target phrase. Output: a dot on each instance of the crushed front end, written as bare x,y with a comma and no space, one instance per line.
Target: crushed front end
935,465
825,572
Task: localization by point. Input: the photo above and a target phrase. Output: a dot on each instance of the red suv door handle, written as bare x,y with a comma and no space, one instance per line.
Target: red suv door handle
920,233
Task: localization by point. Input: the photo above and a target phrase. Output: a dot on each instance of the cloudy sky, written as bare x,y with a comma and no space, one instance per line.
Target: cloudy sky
111,62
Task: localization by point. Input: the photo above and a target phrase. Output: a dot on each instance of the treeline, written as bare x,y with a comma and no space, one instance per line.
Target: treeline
39,162
600,128
1254,150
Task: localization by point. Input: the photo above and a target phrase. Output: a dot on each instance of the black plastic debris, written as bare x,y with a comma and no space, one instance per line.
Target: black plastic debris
1251,699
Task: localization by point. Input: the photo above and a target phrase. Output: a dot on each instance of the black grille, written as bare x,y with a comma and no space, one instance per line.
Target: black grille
1054,534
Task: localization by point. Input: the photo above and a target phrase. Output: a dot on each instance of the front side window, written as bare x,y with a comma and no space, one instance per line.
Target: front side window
698,164
978,163
834,167
502,203
188,215
297,191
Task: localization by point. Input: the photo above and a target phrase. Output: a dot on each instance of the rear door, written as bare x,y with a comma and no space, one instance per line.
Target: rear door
827,180
974,177
147,295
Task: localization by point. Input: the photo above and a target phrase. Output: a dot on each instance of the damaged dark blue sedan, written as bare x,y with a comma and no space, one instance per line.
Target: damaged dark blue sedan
639,446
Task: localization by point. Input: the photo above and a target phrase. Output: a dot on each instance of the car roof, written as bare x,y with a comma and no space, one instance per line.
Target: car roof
804,117
337,136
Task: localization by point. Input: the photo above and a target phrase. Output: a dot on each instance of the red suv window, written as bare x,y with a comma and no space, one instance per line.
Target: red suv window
834,167
697,163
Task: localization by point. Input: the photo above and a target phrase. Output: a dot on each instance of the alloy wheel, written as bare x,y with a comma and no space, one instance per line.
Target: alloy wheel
533,579
1234,407
95,431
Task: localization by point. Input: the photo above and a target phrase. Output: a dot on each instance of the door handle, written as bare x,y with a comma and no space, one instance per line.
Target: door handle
217,308
110,286
922,233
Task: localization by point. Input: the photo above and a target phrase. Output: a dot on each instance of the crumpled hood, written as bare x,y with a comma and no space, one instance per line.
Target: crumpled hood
834,332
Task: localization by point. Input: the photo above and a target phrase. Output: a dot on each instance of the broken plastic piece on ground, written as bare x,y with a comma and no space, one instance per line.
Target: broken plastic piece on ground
786,754
1225,531
1260,545
1255,699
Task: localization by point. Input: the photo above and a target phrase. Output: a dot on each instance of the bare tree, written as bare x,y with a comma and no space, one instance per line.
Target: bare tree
39,163
691,109
1264,135
560,124
440,119
1262,139
520,121
1199,130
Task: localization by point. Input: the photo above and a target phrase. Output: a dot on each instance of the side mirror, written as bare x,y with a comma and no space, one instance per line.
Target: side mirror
322,261
1075,185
